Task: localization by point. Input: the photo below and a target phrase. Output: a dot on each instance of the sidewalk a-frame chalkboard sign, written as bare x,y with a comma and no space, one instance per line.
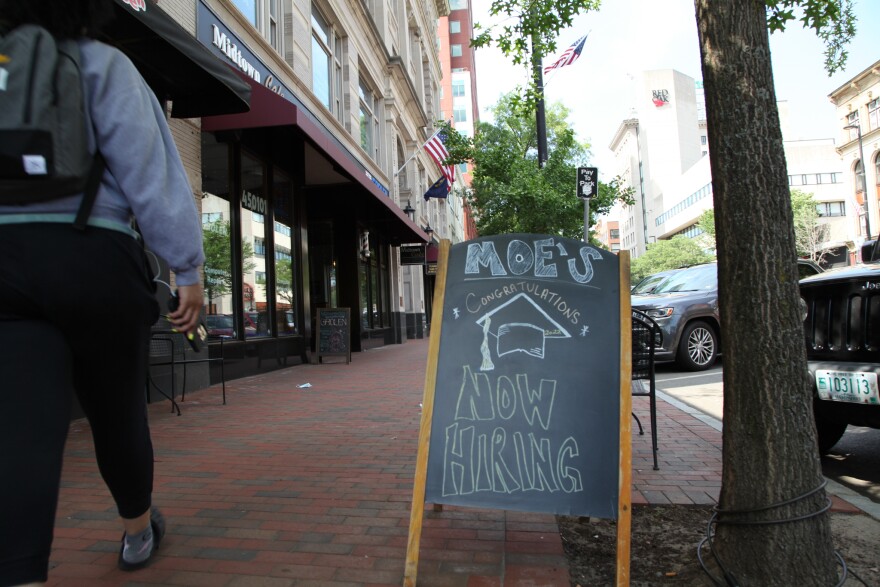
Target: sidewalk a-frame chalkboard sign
334,333
527,387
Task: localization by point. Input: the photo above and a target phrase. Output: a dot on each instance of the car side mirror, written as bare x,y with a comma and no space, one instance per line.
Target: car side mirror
870,252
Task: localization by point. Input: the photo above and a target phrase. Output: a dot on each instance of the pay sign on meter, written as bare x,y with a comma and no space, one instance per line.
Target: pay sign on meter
588,182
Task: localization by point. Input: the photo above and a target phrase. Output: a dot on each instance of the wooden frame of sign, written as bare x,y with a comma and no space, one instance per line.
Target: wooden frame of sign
456,312
333,336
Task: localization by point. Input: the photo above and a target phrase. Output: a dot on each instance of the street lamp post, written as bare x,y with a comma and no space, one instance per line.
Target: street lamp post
864,185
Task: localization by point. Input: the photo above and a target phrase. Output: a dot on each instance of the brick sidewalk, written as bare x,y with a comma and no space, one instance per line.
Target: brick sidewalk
289,486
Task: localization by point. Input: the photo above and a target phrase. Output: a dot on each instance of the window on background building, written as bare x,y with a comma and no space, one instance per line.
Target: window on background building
877,168
852,119
462,167
454,26
459,114
321,59
327,64
859,177
455,50
264,15
285,298
369,120
458,88
248,8
874,114
254,200
615,233
704,140
830,209
338,88
217,237
458,4
274,37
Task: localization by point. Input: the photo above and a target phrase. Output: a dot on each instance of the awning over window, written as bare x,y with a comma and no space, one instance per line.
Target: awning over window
176,66
271,110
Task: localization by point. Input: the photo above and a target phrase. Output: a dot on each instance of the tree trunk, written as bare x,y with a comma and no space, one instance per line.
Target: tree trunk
771,470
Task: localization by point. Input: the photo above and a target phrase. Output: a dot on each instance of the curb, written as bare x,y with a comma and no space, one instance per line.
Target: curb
845,494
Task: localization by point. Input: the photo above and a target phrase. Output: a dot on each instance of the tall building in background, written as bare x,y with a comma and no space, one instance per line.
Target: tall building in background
661,152
458,97
858,115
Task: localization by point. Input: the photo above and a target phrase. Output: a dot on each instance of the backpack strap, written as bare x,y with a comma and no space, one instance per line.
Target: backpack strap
96,172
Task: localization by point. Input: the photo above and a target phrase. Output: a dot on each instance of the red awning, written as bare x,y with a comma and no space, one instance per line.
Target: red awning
270,110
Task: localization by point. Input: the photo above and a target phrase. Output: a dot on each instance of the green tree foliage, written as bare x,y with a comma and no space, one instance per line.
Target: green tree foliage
809,233
677,252
511,193
833,21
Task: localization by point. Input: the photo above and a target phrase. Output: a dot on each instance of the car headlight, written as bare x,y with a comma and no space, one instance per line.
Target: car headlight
656,313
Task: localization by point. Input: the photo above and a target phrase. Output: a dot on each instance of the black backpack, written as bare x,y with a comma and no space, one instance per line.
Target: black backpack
43,125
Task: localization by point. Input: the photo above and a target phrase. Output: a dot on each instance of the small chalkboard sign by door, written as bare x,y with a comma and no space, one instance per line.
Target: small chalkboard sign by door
334,333
527,403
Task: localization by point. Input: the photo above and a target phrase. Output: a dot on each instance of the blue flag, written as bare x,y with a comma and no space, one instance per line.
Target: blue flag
439,189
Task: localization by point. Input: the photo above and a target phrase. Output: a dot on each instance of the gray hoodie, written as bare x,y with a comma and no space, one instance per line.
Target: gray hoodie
145,178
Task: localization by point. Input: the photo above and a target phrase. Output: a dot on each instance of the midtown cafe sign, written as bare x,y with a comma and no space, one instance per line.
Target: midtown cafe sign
211,31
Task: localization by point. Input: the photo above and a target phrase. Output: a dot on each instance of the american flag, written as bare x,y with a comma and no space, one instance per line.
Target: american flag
437,150
569,56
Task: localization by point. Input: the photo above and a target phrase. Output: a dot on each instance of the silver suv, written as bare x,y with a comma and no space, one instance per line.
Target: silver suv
685,306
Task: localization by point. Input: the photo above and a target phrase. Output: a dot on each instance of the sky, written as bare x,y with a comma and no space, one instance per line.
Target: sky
627,37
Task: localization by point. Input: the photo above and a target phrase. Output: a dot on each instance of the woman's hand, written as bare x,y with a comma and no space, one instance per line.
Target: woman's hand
186,317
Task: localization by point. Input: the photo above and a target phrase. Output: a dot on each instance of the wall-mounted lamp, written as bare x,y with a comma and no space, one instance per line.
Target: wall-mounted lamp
429,231
410,211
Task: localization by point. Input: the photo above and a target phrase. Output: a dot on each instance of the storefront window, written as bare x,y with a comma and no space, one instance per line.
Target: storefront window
216,235
323,265
254,207
285,273
374,280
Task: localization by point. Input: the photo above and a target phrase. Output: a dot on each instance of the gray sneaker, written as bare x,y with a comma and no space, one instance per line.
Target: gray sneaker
157,523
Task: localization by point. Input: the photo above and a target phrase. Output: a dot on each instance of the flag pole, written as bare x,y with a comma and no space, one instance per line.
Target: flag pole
417,151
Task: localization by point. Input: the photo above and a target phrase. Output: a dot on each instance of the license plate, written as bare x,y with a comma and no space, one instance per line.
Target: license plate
855,387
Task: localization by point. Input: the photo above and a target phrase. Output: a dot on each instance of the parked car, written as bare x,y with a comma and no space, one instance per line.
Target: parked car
256,324
842,334
685,306
220,325
648,284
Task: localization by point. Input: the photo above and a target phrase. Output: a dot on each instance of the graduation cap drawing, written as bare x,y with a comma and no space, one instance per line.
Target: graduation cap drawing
519,325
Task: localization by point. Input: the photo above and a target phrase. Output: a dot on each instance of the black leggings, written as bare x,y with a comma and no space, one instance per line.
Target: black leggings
75,315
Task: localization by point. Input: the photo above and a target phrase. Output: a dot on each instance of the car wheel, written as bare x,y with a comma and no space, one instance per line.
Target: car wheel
829,427
697,347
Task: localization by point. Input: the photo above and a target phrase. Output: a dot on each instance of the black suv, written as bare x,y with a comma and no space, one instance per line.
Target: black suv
842,329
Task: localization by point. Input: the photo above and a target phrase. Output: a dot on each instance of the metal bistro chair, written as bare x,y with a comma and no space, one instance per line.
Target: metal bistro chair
169,349
645,338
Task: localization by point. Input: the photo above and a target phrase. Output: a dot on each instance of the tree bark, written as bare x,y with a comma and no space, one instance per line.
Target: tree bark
771,469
